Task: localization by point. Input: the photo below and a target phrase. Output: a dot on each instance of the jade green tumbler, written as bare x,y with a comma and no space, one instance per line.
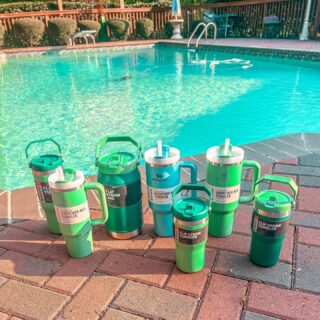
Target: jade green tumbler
72,209
223,177
190,227
270,221
42,167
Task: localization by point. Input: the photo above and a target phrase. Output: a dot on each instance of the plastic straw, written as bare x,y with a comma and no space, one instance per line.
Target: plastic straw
160,148
226,147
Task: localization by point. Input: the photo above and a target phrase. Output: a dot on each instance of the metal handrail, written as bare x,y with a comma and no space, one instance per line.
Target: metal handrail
195,30
205,30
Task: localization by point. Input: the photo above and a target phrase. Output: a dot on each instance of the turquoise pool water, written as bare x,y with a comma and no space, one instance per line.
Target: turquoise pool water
190,101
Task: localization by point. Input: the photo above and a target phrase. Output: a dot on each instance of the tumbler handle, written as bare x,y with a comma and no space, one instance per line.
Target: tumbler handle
281,179
256,174
192,187
193,170
97,186
41,141
107,139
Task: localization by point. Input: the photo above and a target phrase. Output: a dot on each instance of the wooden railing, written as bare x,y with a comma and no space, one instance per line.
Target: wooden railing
248,24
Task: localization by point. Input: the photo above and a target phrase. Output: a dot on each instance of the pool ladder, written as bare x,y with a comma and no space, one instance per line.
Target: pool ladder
203,32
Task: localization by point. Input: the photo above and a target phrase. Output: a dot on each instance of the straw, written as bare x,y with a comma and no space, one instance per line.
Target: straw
160,148
226,147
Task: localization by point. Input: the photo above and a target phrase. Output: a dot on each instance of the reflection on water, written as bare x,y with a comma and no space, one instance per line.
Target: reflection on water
145,93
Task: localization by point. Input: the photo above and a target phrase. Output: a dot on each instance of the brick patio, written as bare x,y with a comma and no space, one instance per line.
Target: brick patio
137,279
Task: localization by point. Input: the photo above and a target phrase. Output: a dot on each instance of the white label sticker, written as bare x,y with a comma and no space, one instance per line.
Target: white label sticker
225,195
160,196
73,215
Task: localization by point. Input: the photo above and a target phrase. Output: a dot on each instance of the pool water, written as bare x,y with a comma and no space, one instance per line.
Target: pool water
191,101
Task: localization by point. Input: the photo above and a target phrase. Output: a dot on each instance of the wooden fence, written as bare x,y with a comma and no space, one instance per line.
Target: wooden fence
248,23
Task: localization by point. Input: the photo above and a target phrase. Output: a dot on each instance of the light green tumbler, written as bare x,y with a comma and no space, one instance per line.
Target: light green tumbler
72,209
223,177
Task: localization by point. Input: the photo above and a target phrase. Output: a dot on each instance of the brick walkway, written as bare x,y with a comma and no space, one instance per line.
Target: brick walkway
137,279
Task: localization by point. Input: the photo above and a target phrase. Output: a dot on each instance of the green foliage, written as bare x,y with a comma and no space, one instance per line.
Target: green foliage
22,7
144,28
118,29
60,30
168,30
28,32
89,25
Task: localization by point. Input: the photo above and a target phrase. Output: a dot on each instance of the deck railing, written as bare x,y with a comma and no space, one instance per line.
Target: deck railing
249,22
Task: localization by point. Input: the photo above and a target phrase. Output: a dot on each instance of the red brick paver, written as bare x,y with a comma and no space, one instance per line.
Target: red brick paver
114,314
27,268
242,219
27,301
93,298
264,170
192,284
290,161
235,242
23,241
37,226
286,304
75,272
309,199
24,204
163,248
56,251
155,302
224,298
137,245
133,267
309,236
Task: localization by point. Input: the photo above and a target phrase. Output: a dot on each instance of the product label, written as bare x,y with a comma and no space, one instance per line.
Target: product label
122,196
268,228
225,195
44,193
191,236
160,196
73,215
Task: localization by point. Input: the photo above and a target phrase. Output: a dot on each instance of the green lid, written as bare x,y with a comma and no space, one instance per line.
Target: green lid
273,201
190,209
117,162
47,162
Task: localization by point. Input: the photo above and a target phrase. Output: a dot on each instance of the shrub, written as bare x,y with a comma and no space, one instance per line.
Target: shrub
60,30
168,29
28,32
144,28
22,7
2,31
89,25
118,29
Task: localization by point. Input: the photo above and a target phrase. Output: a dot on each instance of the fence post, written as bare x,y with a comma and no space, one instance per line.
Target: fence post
121,4
316,21
60,5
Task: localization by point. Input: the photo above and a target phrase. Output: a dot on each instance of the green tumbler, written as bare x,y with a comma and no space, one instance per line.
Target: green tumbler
223,177
72,209
42,167
191,216
270,221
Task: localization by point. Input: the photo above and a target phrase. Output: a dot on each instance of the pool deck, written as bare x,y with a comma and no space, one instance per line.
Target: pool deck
291,48
137,279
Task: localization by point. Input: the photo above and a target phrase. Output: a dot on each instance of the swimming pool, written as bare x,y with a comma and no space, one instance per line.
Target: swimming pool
190,101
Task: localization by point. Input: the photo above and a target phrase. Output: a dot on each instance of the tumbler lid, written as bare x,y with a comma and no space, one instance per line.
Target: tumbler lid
168,156
46,162
225,154
117,162
70,179
273,201
190,209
